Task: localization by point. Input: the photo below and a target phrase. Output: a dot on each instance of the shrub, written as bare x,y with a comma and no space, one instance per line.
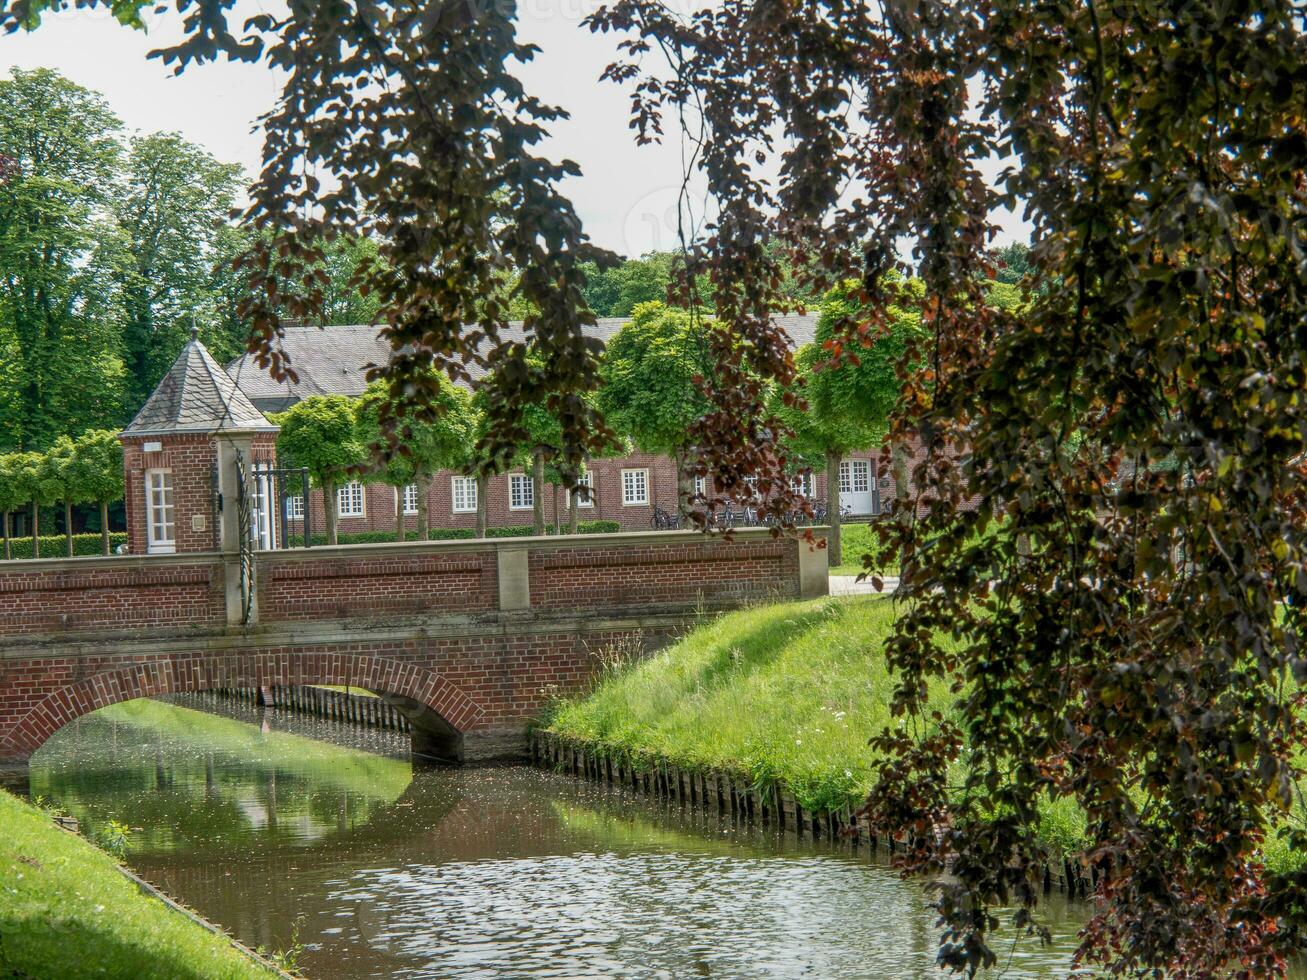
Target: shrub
460,533
52,545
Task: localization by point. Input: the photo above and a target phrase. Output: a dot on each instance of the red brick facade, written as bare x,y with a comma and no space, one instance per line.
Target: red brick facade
435,622
189,461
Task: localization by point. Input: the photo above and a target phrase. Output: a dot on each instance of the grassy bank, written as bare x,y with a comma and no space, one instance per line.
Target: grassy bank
783,693
65,911
857,540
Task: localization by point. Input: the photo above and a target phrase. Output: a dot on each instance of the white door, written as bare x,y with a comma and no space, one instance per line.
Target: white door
855,486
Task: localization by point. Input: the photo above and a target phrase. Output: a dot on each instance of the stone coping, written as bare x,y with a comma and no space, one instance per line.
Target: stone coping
632,539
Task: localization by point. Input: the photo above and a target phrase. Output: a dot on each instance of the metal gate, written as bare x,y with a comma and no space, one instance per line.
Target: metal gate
281,513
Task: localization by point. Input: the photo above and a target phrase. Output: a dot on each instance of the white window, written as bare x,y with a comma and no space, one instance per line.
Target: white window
464,494
161,521
802,484
411,499
295,508
521,492
587,479
349,500
635,488
701,486
855,476
262,527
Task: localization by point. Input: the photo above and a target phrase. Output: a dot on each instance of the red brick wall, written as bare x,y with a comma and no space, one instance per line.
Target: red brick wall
111,594
190,461
711,571
292,587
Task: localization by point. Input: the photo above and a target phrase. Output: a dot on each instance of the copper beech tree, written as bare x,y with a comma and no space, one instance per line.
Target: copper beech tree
1120,617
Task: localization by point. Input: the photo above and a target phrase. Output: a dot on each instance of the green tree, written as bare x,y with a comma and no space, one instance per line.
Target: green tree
12,496
619,290
1012,262
649,391
170,206
95,474
423,445
321,435
57,252
850,389
36,481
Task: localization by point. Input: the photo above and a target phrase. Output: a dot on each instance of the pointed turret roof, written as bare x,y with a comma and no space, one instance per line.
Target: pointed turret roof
198,396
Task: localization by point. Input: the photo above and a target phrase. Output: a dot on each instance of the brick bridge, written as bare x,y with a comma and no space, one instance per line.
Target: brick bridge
468,638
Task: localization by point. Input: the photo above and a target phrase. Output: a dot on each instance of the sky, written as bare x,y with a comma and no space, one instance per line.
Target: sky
626,196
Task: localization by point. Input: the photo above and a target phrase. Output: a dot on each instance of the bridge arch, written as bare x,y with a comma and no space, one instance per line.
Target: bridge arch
438,711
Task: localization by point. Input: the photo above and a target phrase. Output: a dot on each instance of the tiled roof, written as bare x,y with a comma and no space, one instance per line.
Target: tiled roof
333,360
197,395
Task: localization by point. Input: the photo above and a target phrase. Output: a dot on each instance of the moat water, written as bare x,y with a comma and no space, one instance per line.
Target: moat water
284,829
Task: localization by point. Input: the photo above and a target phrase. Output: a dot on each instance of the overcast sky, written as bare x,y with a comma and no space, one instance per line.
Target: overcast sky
626,195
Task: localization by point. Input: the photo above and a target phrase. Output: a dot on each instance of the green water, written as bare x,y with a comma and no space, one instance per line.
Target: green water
383,871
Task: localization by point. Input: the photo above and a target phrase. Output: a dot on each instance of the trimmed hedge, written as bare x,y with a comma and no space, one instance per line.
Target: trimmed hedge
460,533
53,545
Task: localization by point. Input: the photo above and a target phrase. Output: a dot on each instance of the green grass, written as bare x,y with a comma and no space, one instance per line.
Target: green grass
786,692
857,540
65,911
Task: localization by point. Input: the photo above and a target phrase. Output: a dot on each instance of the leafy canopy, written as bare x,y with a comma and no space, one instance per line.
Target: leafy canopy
321,434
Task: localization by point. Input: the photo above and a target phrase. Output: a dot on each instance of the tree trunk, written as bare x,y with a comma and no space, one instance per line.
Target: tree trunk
104,527
68,528
573,502
399,513
558,526
482,483
899,469
9,553
683,488
424,506
835,551
538,492
329,507
36,530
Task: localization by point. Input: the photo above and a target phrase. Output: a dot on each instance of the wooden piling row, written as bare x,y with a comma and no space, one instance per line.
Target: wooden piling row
731,793
356,709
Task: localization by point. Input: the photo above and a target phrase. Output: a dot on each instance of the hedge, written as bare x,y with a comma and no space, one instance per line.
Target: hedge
458,533
53,545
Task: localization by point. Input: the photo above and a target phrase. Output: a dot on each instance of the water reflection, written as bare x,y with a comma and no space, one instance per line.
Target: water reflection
472,873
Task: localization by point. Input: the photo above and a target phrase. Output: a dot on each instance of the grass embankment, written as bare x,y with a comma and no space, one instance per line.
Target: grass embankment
786,692
857,540
66,911
783,693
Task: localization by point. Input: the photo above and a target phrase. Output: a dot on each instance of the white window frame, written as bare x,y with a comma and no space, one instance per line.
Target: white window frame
701,486
521,486
586,479
629,486
295,507
803,484
157,544
469,494
361,496
847,469
409,490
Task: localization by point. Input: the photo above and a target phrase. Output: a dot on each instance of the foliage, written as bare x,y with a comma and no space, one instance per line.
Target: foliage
463,533
321,435
97,467
84,545
417,445
113,838
169,204
58,348
1011,262
649,371
1126,642
68,911
619,290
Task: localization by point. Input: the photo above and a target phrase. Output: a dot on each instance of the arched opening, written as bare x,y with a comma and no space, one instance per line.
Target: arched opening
439,713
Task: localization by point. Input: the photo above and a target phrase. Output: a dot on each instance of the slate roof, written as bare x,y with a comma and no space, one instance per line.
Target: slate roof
332,360
197,395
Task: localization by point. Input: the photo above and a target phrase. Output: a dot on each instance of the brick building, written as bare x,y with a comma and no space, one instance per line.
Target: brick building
626,490
171,453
